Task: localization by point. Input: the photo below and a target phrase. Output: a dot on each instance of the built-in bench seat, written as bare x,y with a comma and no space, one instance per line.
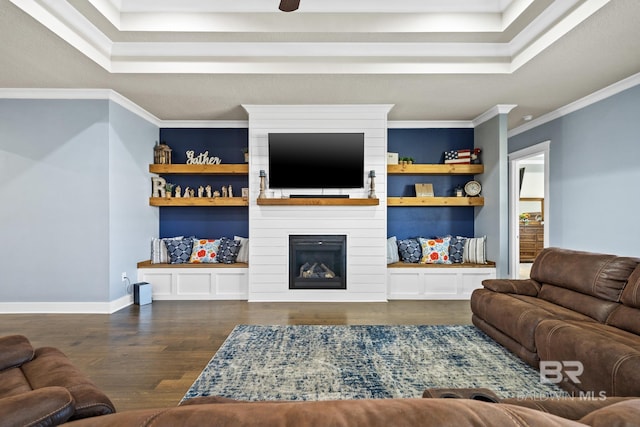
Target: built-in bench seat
148,264
196,281
436,281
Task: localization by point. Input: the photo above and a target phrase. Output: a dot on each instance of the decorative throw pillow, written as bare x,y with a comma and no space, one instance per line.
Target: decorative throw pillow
456,248
435,251
179,249
392,250
475,250
205,251
409,250
243,254
159,253
228,251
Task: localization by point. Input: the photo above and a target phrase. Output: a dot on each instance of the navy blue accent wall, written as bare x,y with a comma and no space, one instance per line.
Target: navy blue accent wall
206,221
428,146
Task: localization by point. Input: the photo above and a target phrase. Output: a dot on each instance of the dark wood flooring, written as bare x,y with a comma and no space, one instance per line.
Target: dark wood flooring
148,356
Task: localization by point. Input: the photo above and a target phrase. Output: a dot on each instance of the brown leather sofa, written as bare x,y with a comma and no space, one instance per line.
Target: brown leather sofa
576,307
41,387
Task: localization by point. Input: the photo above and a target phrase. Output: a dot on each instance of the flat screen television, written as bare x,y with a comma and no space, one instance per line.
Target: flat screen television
316,160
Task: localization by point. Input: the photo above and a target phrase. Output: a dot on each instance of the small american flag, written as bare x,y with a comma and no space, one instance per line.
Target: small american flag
457,156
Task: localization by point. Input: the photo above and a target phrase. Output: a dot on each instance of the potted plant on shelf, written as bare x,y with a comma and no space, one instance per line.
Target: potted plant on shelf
169,188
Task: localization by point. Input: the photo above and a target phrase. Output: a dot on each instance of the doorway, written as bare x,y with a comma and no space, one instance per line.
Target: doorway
528,207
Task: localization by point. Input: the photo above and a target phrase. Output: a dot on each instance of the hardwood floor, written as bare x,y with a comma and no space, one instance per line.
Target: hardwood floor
148,356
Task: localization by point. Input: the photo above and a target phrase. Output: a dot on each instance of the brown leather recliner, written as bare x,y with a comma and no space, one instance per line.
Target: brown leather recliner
42,387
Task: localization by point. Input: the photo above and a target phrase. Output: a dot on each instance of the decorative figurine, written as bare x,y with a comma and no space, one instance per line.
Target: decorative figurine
224,191
187,192
263,175
216,193
207,189
200,191
158,185
372,190
162,154
178,191
230,191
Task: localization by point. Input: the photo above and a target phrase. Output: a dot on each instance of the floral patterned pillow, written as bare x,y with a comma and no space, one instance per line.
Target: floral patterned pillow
205,251
435,251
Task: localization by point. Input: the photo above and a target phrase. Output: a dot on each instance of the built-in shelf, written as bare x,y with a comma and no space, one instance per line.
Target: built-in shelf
435,201
435,169
223,169
198,201
318,201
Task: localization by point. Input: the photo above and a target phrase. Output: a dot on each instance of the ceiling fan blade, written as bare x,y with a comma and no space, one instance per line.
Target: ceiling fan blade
289,5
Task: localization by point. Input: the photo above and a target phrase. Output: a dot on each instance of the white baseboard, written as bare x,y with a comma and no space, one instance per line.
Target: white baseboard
66,307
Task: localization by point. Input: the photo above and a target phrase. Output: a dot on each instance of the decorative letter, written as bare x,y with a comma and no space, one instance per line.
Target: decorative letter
158,187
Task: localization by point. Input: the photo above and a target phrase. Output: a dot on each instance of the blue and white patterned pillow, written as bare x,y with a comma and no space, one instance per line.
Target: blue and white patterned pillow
409,250
456,249
228,251
179,250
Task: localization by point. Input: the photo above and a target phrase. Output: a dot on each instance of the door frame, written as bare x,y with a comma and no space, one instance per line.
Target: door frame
515,159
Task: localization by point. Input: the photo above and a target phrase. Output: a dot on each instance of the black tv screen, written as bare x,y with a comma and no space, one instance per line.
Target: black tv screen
316,160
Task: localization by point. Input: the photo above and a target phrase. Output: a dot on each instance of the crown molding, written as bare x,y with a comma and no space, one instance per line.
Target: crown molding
80,94
429,124
491,113
581,103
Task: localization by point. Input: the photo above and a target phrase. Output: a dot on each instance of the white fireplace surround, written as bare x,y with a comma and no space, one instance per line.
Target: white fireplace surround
364,226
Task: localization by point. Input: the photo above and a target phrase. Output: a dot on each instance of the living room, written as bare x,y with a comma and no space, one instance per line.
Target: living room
75,176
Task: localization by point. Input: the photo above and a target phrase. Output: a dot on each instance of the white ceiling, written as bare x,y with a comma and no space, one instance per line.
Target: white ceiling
434,59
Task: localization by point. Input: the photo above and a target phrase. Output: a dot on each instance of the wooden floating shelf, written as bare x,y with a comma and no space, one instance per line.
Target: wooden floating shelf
435,201
223,169
318,201
198,201
436,169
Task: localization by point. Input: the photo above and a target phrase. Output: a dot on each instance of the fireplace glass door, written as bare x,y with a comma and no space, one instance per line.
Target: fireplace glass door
317,262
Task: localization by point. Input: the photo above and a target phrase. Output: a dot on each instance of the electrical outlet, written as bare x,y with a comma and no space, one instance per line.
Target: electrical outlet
124,276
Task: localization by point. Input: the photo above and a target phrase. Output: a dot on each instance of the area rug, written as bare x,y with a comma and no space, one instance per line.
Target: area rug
358,362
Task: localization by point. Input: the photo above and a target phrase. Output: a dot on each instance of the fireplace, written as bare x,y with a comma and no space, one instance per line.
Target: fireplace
317,262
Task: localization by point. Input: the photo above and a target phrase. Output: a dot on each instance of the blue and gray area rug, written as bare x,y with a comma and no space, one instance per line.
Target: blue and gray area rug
358,362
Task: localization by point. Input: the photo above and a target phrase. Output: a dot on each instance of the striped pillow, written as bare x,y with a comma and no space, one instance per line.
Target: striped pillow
475,250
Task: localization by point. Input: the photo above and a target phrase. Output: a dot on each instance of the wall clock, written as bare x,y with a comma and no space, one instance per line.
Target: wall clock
472,188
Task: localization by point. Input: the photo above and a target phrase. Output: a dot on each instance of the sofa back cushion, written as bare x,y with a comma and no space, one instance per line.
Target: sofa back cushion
599,275
631,292
586,304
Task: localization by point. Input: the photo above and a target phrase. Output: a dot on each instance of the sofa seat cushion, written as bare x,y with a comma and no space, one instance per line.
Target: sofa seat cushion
625,318
610,357
50,367
517,316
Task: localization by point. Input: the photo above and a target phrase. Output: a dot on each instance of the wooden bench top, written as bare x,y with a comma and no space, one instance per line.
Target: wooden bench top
489,264
147,264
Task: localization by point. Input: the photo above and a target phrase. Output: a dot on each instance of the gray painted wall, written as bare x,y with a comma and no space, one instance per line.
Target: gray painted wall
492,219
61,218
132,221
594,163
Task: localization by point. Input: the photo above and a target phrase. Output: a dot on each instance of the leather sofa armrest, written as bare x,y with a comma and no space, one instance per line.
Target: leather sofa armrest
14,351
508,286
572,408
49,406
